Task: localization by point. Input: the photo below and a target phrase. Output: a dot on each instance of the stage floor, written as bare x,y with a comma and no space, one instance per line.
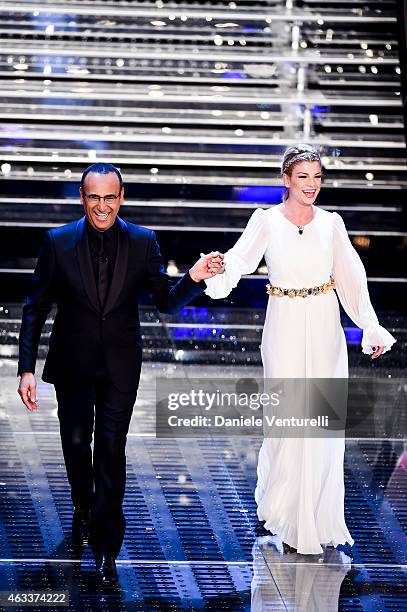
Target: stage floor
191,540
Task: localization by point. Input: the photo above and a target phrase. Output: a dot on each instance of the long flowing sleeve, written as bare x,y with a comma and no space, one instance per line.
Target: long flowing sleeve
242,258
351,286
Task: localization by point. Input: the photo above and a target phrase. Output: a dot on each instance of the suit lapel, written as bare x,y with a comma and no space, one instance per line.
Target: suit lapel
85,264
120,268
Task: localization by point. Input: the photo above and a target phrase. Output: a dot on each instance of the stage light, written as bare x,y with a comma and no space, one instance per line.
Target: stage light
49,30
363,242
172,268
228,24
5,168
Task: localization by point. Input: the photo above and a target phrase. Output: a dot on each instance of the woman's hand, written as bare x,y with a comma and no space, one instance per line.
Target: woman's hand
207,266
377,351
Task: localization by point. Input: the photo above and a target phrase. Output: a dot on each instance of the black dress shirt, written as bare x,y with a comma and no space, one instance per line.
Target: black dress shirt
110,238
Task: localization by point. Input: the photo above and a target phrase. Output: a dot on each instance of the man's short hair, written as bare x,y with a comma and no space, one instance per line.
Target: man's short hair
101,168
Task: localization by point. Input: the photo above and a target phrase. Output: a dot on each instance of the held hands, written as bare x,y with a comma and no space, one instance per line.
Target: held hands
207,266
27,390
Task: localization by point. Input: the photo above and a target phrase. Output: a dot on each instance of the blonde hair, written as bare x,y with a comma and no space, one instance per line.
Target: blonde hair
295,155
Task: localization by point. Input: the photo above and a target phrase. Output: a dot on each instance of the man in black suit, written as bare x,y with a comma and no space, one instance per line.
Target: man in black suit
94,269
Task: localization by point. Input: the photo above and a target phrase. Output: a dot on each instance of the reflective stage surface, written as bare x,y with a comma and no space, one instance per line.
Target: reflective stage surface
195,102
193,541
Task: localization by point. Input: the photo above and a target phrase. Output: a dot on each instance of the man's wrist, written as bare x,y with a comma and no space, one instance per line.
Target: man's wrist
193,275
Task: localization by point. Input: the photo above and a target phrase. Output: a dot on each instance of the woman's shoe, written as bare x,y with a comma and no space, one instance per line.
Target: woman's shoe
288,549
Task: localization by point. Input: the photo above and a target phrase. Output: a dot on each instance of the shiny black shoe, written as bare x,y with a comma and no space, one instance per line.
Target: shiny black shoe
106,571
81,523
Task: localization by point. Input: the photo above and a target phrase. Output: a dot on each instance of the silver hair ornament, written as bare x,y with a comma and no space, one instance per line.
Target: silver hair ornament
299,157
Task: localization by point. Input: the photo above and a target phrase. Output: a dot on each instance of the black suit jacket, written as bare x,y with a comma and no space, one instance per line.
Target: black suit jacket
81,330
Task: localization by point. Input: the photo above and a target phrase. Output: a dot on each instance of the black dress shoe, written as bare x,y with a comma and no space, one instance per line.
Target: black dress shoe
81,522
106,569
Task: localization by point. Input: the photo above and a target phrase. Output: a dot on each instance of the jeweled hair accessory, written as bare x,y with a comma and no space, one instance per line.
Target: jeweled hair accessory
299,154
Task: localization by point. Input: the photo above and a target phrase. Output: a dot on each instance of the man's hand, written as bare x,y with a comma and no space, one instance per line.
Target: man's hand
207,266
27,390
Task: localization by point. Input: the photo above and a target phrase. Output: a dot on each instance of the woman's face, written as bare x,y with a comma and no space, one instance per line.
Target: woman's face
304,183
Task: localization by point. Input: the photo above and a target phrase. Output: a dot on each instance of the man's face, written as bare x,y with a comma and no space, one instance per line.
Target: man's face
101,213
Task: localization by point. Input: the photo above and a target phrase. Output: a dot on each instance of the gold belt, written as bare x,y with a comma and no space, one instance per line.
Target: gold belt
280,292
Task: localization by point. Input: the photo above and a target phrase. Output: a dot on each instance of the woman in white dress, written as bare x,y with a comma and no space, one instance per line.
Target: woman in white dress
300,486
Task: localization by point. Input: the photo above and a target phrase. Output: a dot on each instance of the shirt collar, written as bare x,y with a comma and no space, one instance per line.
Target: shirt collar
109,233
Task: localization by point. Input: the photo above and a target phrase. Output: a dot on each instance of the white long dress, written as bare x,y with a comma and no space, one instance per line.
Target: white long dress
300,486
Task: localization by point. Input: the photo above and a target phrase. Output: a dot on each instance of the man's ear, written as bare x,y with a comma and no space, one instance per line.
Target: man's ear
122,196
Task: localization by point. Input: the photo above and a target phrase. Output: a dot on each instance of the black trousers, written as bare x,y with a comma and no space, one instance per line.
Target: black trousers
97,482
